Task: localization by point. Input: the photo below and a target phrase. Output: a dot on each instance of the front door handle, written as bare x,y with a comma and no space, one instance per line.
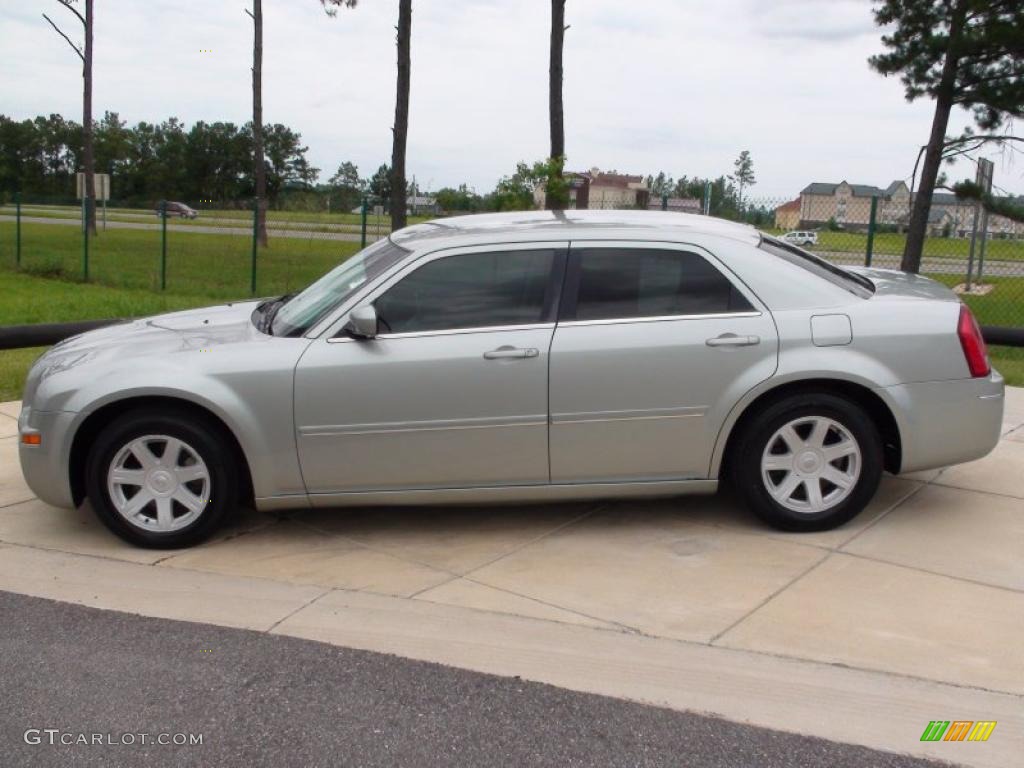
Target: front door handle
732,340
511,353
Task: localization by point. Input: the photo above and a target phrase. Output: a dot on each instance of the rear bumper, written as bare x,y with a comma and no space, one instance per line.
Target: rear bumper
45,466
947,422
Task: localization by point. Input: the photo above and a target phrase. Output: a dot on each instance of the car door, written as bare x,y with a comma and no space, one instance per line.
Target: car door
654,345
452,393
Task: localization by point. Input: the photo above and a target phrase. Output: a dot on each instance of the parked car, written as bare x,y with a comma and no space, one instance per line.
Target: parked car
802,238
520,357
177,209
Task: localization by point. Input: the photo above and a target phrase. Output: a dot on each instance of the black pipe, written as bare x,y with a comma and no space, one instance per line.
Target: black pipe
1003,336
45,334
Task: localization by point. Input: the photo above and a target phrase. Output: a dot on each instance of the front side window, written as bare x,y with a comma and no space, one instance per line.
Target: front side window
473,290
623,283
302,311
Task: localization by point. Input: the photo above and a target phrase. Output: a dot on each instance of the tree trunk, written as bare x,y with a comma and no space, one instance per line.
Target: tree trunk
917,229
87,152
555,107
259,167
401,129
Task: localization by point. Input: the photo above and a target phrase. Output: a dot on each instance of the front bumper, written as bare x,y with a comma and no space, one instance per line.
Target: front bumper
45,466
947,422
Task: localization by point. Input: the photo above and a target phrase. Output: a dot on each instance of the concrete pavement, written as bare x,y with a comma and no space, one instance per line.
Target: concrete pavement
912,612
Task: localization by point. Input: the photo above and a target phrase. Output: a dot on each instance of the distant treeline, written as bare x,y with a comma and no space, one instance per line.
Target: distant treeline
150,162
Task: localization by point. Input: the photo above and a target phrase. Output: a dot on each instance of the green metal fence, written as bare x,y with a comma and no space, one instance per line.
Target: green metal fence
216,252
219,252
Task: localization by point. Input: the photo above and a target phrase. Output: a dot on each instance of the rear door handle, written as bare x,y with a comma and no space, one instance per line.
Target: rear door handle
732,340
511,353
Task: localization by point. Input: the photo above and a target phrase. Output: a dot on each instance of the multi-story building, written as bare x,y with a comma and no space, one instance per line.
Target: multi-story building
849,206
596,189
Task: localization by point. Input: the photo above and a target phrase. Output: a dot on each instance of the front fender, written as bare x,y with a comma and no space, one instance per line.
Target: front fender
255,405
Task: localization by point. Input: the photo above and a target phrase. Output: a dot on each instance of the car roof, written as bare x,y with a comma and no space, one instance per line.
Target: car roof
574,225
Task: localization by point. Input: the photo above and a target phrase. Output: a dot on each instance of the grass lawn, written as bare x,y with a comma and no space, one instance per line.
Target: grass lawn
210,217
892,243
29,299
214,265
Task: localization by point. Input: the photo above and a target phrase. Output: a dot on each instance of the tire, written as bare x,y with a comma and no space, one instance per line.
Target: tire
835,440
199,487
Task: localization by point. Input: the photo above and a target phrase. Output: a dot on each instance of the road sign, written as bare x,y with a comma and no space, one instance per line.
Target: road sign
101,182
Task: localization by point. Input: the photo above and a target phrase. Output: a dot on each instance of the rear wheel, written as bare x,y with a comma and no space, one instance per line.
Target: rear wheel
809,462
163,480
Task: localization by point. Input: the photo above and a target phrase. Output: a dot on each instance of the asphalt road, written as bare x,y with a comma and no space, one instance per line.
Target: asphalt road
260,699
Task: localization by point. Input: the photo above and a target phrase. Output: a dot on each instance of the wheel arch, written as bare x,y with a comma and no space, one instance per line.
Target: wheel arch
86,433
876,408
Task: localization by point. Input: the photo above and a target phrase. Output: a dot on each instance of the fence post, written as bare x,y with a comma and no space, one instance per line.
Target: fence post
85,239
872,221
366,206
970,255
163,245
17,229
255,244
981,251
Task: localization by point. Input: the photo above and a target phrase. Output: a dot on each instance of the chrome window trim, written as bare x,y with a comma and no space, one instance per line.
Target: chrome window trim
656,319
449,332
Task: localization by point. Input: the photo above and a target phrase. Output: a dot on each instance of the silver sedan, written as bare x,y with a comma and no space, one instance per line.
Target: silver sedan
520,357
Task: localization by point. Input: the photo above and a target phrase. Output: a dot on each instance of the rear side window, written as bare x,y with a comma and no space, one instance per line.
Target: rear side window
623,283
856,284
469,291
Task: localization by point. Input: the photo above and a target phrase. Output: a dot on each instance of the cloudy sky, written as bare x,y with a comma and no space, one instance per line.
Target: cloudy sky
674,85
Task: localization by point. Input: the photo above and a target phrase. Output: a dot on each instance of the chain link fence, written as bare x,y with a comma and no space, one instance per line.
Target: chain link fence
220,251
185,248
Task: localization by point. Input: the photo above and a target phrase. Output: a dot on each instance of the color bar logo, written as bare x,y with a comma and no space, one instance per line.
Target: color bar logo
958,730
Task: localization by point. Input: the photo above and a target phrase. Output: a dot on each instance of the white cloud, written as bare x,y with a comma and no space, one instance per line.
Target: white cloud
678,85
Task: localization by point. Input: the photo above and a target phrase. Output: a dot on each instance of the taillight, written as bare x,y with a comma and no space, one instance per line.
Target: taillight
973,343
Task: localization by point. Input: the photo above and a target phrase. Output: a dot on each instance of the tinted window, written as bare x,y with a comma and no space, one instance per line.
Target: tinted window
470,291
624,283
856,284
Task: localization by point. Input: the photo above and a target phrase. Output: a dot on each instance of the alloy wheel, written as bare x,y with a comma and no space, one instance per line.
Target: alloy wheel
811,464
158,483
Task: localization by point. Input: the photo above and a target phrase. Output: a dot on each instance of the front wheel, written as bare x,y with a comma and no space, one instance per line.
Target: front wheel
162,481
810,462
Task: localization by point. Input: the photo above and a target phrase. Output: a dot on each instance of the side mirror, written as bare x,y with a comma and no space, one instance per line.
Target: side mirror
362,322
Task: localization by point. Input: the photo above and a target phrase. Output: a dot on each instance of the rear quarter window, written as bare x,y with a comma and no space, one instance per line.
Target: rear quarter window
856,284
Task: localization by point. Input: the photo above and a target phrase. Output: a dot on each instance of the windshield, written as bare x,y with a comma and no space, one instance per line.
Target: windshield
856,284
305,309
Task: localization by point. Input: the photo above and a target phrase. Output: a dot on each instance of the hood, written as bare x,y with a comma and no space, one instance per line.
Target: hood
146,338
893,284
162,333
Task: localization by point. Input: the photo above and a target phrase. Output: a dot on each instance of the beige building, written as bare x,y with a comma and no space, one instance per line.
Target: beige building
787,215
599,190
849,205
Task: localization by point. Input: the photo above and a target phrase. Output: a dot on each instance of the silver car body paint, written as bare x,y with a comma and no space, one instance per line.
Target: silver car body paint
600,408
